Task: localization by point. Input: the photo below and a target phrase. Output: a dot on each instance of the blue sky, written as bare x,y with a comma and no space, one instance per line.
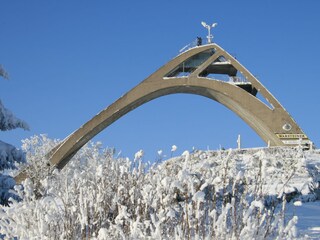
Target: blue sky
68,60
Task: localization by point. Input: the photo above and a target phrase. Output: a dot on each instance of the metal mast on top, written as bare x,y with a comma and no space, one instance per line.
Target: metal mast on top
210,36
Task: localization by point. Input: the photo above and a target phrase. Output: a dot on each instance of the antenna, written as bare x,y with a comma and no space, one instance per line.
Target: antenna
239,141
210,36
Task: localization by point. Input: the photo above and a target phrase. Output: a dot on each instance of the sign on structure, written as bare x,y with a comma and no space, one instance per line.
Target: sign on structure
293,138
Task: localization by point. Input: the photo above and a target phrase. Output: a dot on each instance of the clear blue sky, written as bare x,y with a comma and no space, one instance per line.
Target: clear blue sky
65,61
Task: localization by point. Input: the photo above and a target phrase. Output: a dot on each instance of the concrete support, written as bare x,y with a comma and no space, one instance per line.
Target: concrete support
194,67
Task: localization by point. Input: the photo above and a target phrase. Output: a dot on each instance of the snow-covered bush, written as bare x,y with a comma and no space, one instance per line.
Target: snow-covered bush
200,195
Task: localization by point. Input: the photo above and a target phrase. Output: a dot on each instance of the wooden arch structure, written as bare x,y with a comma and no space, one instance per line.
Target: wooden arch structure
195,71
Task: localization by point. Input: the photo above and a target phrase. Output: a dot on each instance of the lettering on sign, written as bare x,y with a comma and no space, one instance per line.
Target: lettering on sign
296,142
291,136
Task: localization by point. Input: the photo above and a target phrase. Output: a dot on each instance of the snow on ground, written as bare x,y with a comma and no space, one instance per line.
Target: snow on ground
308,219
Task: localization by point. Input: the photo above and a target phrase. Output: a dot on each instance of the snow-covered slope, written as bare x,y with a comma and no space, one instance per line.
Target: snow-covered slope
308,219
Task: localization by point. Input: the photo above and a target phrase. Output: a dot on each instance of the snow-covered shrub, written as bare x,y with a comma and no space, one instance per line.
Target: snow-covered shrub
36,148
200,195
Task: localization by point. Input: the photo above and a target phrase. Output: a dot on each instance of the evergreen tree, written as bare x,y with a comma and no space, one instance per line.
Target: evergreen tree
3,73
9,155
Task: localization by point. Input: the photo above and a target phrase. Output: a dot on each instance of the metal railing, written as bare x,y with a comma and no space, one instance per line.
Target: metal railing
237,79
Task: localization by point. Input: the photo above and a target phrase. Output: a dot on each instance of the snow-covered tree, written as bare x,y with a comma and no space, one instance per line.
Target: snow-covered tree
3,72
9,155
8,121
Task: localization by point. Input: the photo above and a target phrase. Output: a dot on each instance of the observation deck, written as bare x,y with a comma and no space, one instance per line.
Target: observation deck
220,69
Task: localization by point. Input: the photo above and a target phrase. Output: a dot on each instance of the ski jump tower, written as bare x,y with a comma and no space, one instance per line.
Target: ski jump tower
206,70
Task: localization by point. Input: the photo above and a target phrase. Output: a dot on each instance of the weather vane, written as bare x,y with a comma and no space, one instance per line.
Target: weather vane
210,36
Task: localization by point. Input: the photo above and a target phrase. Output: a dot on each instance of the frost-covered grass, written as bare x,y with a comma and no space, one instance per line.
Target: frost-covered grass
233,194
